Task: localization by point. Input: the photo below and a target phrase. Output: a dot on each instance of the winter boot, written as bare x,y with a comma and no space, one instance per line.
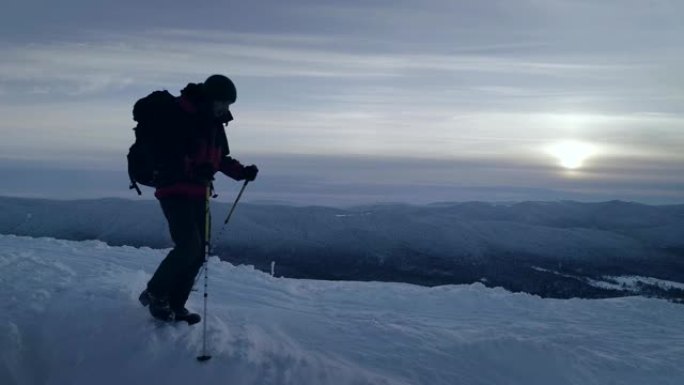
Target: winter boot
185,315
159,307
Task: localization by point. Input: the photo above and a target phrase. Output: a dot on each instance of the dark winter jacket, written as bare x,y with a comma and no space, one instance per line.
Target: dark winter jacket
202,151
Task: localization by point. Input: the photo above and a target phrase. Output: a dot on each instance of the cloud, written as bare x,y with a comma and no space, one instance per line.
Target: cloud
304,94
483,86
115,61
330,180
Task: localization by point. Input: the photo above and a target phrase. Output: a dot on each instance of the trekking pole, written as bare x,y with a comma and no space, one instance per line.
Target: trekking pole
207,250
207,231
230,213
211,250
235,204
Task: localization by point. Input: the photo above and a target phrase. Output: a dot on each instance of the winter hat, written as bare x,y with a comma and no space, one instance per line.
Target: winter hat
220,88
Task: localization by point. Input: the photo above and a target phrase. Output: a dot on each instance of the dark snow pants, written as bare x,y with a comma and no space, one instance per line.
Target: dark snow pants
176,274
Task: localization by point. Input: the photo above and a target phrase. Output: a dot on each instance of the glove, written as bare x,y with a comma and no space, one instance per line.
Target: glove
250,173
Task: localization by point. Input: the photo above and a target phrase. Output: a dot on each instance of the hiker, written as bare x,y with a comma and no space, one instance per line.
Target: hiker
190,147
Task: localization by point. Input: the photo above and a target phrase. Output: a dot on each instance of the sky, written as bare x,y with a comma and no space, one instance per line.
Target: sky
347,102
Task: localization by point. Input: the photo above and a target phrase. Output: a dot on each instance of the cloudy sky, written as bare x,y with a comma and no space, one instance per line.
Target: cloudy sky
344,102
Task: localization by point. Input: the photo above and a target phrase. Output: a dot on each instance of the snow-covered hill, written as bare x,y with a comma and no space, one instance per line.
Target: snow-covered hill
519,246
69,315
556,230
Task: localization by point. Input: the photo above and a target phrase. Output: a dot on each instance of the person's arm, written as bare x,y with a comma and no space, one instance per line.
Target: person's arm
232,168
237,171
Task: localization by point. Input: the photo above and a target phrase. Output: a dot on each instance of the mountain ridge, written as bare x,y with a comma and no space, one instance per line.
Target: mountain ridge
424,244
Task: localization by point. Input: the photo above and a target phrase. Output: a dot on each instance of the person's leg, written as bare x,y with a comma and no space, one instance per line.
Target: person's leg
187,238
186,279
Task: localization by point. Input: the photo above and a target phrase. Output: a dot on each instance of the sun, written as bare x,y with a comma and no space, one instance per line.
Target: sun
571,154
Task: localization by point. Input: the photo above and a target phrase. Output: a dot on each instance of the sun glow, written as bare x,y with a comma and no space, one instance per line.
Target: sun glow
571,154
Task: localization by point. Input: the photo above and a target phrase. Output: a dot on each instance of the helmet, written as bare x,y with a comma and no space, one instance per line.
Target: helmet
220,88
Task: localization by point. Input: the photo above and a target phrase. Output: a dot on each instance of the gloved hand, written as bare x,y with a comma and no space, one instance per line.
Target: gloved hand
250,172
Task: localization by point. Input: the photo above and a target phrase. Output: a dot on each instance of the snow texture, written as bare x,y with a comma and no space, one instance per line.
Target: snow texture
632,283
69,315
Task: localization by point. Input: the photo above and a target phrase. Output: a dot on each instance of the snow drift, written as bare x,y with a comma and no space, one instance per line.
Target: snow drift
69,315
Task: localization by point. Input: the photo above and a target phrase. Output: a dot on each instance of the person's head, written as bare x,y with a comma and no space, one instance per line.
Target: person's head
221,93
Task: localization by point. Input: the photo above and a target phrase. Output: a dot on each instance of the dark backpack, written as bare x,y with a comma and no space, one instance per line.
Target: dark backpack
153,159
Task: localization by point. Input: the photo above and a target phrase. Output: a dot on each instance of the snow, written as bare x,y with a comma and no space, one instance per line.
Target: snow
632,283
69,315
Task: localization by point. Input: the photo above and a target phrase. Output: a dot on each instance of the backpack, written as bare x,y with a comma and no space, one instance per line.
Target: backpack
152,159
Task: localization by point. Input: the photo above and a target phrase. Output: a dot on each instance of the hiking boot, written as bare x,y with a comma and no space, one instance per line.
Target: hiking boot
159,307
145,298
183,314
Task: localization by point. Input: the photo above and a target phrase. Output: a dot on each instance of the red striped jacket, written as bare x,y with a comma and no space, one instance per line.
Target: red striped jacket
207,154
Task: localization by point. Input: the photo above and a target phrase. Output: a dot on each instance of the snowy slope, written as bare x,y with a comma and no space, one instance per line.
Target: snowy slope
68,315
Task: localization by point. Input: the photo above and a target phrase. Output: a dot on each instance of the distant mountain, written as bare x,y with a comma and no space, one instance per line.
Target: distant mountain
549,248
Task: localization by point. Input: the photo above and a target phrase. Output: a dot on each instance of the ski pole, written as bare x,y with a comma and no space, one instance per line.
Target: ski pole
207,250
235,204
232,209
230,213
207,237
